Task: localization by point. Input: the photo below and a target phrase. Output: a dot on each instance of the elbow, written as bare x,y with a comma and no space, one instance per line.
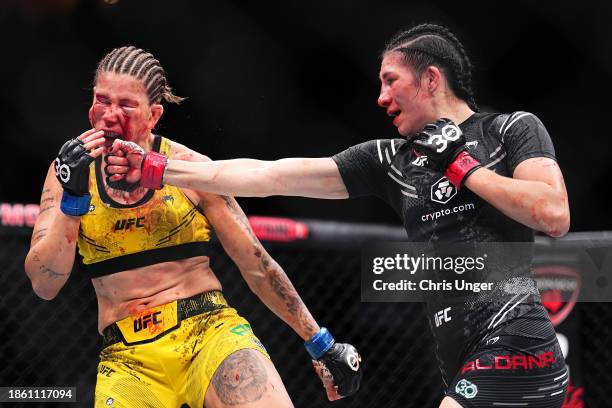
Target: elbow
44,291
557,222
551,215
559,230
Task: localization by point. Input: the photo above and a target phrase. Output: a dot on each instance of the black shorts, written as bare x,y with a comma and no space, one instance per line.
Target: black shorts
512,371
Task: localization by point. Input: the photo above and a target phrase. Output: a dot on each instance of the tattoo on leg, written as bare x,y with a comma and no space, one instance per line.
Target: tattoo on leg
240,379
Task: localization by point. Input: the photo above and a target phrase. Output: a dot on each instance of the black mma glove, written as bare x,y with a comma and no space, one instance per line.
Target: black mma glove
444,145
72,172
337,364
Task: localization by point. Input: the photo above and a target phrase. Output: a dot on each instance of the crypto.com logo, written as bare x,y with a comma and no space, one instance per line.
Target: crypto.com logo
442,191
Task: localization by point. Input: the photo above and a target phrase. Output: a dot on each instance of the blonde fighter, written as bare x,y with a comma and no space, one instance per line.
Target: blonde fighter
168,331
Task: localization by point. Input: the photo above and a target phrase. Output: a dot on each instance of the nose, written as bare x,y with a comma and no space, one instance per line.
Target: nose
384,100
110,113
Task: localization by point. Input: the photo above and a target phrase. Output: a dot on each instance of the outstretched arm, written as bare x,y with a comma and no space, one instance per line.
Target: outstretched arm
306,177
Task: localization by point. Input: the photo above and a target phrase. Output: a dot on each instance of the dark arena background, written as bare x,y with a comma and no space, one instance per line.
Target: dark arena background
294,78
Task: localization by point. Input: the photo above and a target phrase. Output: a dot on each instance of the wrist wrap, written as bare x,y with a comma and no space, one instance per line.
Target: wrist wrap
461,168
75,205
153,169
319,344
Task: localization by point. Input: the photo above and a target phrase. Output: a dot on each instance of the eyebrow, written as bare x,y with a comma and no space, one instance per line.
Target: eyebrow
121,100
132,101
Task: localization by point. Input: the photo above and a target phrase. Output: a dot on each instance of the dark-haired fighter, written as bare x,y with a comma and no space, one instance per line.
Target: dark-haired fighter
491,177
168,331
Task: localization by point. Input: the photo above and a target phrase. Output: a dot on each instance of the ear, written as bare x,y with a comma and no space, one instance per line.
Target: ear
432,79
157,110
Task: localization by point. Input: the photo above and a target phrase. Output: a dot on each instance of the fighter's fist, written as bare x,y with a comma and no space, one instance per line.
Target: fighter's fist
444,145
337,364
131,164
340,371
72,170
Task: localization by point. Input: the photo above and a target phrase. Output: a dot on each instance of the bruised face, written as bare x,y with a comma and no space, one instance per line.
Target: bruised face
403,96
121,108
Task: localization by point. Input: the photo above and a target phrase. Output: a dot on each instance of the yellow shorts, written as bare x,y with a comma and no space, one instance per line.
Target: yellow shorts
166,356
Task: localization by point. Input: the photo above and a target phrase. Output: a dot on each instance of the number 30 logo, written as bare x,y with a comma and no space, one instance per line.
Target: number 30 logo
62,171
448,133
353,359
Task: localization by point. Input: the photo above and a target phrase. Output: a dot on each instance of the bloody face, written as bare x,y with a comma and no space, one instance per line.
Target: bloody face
402,96
121,108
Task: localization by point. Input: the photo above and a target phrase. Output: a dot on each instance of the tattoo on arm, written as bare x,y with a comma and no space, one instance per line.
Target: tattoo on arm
278,280
238,214
38,235
283,288
50,272
280,283
240,379
47,201
47,196
47,208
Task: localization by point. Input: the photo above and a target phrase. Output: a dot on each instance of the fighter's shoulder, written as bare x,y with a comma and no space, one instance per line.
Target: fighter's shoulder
505,124
179,151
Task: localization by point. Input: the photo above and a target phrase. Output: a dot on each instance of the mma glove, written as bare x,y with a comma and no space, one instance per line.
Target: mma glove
444,145
72,172
150,165
336,363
